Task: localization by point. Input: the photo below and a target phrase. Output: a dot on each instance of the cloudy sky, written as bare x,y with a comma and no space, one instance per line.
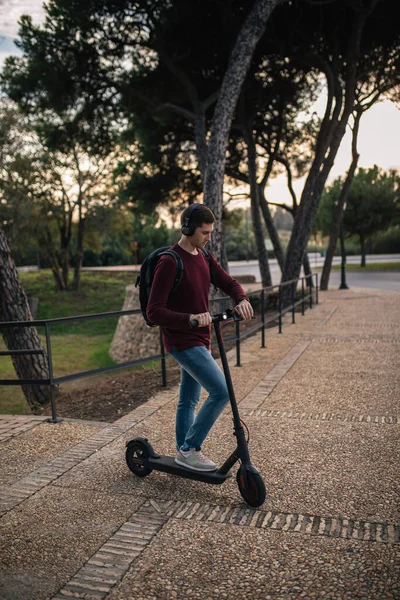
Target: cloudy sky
10,12
379,130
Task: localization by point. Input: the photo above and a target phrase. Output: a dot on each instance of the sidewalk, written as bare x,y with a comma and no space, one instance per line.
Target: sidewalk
321,402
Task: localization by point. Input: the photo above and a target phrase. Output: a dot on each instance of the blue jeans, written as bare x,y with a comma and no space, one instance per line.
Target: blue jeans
198,369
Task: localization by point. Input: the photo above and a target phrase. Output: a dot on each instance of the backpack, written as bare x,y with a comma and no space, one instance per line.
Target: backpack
145,278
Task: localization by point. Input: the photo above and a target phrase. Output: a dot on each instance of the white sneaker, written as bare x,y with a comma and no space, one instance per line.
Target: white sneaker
195,459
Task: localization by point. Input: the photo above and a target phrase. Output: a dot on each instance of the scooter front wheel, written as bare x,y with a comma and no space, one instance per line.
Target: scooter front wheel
251,486
135,451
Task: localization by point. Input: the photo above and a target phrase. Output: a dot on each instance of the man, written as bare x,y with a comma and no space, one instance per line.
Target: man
190,346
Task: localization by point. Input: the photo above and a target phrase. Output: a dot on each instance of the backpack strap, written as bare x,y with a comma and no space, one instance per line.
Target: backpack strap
179,267
206,255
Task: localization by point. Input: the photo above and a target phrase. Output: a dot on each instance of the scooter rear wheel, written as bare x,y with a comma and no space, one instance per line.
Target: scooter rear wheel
134,451
251,486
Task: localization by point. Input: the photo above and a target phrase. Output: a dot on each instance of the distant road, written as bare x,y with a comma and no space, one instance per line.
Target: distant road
384,280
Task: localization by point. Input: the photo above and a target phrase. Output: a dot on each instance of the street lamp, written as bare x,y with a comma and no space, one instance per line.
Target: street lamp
343,284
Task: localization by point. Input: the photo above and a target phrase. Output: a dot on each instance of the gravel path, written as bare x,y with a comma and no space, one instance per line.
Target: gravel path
322,404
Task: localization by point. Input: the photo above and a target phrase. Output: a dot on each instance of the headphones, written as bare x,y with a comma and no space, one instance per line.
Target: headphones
189,228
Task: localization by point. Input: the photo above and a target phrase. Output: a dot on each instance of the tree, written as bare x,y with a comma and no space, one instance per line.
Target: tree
373,204
266,133
14,307
86,61
48,193
359,27
379,83
17,147
235,74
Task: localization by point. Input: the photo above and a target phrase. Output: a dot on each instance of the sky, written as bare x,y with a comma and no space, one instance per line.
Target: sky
379,134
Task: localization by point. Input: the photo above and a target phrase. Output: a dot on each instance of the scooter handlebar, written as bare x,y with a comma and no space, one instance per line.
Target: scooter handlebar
227,315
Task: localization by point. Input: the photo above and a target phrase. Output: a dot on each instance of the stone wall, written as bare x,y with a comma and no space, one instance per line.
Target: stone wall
133,338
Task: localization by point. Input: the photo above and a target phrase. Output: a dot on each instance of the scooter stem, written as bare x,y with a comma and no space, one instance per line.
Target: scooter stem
232,397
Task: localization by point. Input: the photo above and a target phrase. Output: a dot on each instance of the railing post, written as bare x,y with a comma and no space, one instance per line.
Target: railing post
54,418
263,318
316,289
237,323
163,363
311,294
293,300
302,296
280,308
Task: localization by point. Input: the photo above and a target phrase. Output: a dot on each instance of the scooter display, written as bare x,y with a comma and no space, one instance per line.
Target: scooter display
142,459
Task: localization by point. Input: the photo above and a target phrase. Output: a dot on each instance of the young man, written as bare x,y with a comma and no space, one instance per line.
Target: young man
190,346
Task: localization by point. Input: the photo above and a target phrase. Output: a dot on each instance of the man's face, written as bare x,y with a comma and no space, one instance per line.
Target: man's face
202,235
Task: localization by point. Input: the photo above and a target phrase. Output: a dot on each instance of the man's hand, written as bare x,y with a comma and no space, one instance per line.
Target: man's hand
245,310
203,319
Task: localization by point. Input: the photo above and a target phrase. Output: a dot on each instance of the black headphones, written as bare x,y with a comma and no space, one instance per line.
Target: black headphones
189,228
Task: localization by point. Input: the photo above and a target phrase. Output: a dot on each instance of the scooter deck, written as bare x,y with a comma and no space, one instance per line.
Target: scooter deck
168,465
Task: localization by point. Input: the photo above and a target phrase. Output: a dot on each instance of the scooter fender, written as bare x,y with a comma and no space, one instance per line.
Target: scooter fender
245,470
145,442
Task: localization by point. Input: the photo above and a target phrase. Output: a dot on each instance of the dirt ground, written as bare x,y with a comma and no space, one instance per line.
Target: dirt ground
110,397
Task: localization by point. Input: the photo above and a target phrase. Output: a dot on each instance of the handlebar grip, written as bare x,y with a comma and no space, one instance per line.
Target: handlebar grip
193,323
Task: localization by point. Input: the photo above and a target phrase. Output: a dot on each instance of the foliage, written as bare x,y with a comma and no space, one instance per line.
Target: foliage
239,236
373,203
140,72
387,242
148,235
48,195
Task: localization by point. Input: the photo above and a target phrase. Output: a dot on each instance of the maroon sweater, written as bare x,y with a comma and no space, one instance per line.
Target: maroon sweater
172,310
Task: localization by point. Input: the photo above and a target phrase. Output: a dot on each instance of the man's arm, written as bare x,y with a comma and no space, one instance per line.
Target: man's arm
231,288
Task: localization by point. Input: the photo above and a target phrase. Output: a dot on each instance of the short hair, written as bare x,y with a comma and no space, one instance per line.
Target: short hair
201,214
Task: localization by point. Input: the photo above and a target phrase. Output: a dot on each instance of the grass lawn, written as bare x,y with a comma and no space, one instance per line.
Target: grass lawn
379,266
77,346
100,292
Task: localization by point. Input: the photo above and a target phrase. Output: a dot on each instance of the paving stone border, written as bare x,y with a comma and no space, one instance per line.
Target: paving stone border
257,396
327,317
13,425
21,490
336,527
110,563
113,559
322,416
330,340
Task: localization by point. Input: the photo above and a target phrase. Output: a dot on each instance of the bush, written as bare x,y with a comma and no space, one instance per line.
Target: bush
387,242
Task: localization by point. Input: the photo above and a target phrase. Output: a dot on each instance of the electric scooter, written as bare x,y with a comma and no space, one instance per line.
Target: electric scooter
142,459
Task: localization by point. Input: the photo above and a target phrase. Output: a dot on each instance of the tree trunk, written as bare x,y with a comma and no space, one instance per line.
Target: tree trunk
46,244
323,160
338,214
235,74
58,276
14,307
255,207
363,250
79,254
272,232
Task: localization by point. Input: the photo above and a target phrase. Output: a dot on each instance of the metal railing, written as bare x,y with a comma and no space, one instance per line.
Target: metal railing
277,315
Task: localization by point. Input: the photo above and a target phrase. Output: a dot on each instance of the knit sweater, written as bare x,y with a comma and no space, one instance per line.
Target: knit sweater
172,310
